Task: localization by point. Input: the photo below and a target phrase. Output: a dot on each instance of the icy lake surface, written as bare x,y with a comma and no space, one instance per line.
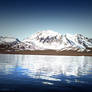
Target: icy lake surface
40,73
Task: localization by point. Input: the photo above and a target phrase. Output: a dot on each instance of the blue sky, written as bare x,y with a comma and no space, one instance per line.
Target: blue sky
21,18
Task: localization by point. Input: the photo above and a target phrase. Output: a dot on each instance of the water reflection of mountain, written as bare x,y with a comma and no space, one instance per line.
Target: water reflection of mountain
55,65
37,66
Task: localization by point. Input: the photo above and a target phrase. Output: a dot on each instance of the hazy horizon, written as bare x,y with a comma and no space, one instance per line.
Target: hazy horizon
22,18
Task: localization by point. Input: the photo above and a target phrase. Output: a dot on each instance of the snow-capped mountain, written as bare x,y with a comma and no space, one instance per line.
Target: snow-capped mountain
50,40
44,40
7,42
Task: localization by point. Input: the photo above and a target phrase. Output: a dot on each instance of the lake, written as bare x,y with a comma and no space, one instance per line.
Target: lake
43,73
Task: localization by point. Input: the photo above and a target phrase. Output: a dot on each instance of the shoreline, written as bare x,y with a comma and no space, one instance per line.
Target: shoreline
47,52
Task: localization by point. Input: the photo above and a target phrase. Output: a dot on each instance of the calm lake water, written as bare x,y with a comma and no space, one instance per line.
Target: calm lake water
40,73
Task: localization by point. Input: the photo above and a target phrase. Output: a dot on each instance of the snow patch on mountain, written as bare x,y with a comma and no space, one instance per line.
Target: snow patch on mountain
8,40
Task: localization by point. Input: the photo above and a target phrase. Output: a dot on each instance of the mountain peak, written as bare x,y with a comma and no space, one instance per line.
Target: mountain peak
47,33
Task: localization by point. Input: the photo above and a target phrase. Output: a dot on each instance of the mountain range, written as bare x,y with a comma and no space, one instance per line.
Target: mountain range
47,42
